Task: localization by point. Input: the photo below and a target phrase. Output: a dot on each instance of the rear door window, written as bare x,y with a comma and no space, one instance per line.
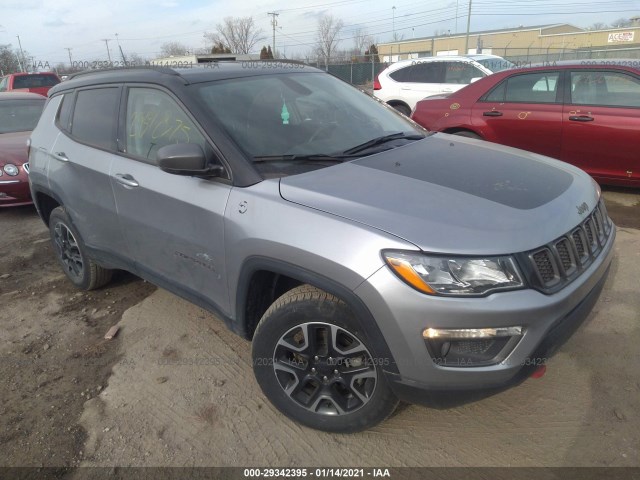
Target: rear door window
95,117
461,73
420,72
614,89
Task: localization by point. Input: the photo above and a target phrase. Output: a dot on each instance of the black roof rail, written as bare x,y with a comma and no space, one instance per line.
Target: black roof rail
165,70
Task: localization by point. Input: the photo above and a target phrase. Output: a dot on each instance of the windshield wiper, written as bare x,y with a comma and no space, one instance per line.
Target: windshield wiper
320,157
380,140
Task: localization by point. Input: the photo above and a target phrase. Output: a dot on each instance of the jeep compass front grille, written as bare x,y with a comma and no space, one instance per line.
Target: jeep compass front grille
559,262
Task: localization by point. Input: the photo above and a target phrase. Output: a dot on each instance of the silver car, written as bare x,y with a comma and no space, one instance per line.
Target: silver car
368,260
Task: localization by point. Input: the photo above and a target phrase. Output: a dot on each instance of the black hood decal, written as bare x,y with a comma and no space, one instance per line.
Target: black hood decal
488,173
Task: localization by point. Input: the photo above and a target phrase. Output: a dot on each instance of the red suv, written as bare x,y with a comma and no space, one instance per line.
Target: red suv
29,82
586,113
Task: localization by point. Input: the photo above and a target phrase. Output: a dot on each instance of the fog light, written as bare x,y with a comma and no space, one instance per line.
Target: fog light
471,347
471,332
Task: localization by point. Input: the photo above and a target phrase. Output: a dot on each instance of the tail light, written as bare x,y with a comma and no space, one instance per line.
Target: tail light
376,83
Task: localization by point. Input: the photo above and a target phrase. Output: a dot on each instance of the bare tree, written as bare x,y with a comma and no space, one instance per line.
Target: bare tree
622,23
598,26
329,28
136,60
173,49
361,40
10,60
238,34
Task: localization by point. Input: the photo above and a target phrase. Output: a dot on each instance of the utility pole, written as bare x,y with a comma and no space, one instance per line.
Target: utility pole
466,40
274,23
393,28
393,22
124,60
106,42
70,62
21,63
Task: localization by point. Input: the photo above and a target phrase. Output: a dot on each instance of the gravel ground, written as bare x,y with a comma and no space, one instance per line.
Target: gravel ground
72,398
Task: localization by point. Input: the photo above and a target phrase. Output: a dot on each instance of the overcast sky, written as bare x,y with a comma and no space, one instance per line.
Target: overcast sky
46,28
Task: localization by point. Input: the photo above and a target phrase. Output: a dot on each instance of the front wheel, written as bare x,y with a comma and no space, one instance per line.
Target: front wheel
468,134
83,272
314,365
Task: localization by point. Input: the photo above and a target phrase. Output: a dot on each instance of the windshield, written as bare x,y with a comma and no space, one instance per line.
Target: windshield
300,114
495,64
34,81
19,115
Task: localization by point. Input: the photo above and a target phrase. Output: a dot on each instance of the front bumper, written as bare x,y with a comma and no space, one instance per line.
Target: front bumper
403,313
15,191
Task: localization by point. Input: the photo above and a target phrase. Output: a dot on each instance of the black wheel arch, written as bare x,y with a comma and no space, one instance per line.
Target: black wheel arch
45,202
362,316
394,103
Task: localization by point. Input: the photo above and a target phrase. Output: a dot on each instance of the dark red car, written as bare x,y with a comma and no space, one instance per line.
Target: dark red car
586,113
19,114
39,83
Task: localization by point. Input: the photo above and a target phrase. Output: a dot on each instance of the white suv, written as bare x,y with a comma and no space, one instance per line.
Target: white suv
406,82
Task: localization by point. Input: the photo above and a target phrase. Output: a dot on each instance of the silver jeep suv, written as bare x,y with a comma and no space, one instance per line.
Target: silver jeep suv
368,260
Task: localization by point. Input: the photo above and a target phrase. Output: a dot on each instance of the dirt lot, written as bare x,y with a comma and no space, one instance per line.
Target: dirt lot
176,388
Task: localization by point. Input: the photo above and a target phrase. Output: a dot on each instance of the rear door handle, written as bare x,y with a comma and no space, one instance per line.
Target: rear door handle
581,118
61,156
492,113
126,180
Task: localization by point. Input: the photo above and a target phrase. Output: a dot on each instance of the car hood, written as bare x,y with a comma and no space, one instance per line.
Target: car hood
451,194
13,147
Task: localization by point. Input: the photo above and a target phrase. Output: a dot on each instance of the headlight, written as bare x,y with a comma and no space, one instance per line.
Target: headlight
453,275
11,169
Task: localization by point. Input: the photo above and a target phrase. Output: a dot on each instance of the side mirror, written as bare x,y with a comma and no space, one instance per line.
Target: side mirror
186,159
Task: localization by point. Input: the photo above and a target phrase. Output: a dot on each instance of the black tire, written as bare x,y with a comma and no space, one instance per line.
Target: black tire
402,108
468,134
83,272
344,391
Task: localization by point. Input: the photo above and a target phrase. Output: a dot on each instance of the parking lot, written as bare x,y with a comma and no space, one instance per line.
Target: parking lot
175,387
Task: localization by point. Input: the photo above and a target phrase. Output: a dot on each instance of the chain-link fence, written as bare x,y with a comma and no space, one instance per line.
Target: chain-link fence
523,56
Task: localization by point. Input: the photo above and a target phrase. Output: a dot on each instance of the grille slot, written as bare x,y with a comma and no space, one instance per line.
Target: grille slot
559,262
545,266
563,247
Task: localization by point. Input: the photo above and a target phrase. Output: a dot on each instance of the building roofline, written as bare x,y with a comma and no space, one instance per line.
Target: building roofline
484,32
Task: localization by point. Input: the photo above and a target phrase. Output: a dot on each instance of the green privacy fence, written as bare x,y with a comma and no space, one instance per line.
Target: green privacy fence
356,73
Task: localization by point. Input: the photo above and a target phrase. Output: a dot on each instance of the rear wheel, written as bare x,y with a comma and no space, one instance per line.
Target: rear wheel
313,364
468,134
403,109
83,272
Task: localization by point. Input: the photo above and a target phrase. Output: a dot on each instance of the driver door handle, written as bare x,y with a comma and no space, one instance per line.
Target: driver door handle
126,180
492,113
581,118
